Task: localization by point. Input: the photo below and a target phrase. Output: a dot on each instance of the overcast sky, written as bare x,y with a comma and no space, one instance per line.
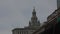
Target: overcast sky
17,13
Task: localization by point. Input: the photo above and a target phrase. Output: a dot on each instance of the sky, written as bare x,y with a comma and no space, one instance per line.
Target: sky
17,13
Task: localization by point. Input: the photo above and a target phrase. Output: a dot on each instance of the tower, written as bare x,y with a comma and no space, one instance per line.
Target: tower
34,20
58,3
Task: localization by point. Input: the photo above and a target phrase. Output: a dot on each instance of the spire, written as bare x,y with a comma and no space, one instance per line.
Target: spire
34,12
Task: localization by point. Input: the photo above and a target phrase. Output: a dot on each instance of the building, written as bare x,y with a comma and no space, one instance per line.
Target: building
34,24
40,30
54,26
58,3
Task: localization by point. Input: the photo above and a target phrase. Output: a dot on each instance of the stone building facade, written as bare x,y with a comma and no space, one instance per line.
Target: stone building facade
34,24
